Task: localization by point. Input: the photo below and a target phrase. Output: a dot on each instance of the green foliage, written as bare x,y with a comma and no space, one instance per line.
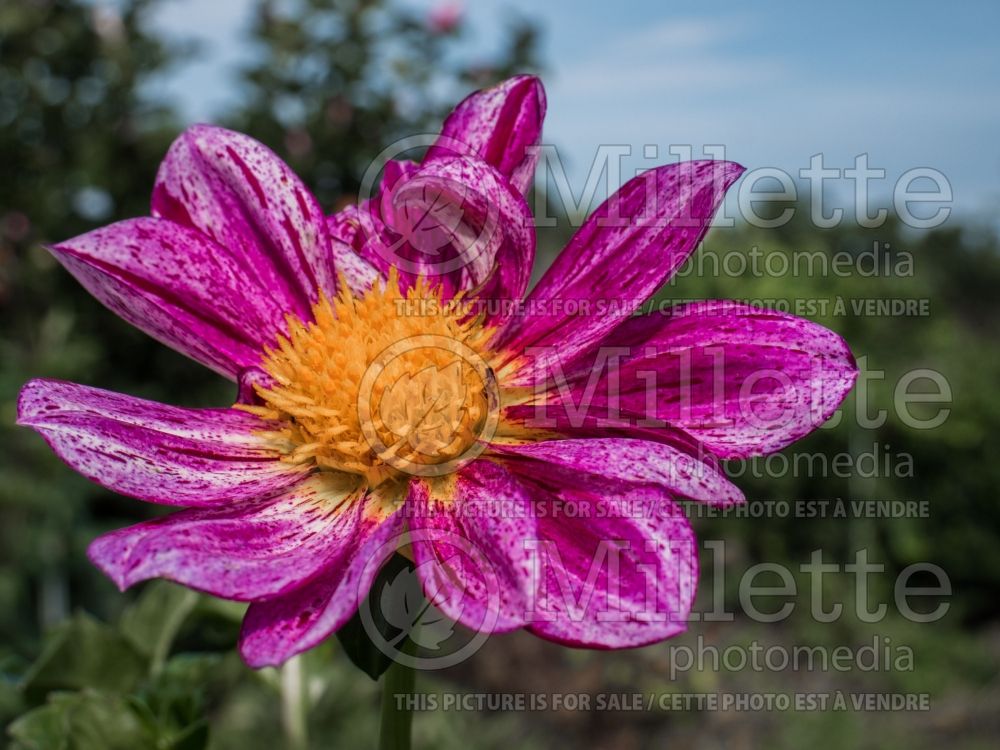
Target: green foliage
88,720
80,142
81,653
334,83
398,610
337,82
101,686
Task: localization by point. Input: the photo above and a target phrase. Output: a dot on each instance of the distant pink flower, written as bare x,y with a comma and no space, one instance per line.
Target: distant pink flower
445,17
350,427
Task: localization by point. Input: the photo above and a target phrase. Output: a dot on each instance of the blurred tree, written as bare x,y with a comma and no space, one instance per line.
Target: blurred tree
80,142
338,81
947,467
79,145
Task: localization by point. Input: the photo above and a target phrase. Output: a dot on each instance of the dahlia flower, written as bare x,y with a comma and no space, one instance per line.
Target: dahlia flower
395,375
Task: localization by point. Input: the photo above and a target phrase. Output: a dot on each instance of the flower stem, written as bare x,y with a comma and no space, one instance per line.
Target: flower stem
295,703
397,710
171,626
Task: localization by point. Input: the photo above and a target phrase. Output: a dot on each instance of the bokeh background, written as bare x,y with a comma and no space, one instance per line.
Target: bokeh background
92,93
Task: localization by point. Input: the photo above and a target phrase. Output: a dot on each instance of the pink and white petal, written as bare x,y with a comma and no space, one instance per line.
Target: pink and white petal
158,453
242,195
458,221
245,550
358,274
625,251
591,420
249,382
500,125
276,629
180,287
353,238
472,548
396,170
619,567
670,465
741,380
454,220
361,226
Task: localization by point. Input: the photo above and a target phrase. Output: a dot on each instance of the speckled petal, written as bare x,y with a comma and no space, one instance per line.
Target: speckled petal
244,550
625,251
619,566
238,192
158,453
741,380
277,629
677,470
180,287
471,546
500,125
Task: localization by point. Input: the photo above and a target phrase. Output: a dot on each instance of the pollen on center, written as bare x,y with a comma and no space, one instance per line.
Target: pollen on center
382,384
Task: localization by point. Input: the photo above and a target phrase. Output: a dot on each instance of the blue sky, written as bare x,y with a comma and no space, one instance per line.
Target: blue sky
912,84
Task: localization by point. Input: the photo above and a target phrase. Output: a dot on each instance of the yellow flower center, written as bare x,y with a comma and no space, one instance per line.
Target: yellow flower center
384,385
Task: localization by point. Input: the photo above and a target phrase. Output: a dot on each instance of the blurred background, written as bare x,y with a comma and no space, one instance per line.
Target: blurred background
91,95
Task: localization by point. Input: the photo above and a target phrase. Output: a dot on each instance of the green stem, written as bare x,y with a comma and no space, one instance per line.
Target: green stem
172,625
295,703
397,710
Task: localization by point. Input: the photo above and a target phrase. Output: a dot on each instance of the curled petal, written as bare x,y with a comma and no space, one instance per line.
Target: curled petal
458,222
625,251
158,453
358,274
500,125
354,238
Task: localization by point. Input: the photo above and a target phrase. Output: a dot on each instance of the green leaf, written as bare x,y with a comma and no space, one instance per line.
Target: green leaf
174,727
83,652
154,620
87,720
44,728
392,594
145,620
